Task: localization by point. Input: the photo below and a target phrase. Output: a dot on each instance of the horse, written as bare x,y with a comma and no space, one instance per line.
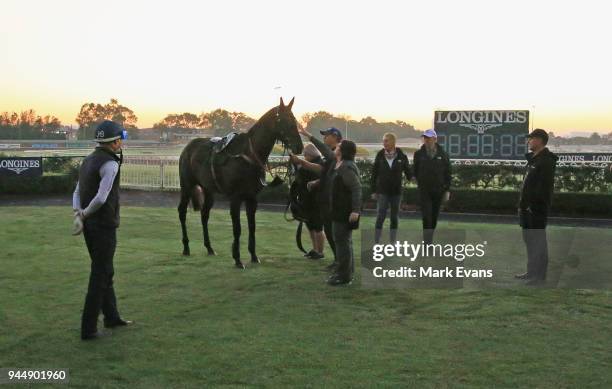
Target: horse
240,176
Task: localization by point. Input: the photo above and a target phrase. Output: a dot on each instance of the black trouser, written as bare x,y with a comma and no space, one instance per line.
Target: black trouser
327,226
534,236
101,243
343,238
430,209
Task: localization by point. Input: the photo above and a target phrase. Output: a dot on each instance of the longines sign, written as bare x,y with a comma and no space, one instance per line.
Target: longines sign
483,134
481,121
21,167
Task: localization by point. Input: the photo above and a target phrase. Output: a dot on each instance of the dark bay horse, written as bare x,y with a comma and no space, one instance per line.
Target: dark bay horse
238,172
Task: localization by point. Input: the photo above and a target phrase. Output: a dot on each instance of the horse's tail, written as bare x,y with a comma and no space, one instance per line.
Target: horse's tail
197,198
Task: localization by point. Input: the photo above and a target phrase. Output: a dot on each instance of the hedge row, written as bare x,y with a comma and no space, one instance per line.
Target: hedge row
464,199
47,184
487,201
502,177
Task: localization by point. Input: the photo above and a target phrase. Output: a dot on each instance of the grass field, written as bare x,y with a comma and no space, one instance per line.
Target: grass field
201,322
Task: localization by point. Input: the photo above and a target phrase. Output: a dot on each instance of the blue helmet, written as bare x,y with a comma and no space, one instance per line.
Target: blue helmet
109,131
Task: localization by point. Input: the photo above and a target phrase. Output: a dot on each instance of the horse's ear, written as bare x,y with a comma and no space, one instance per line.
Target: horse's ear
282,103
291,103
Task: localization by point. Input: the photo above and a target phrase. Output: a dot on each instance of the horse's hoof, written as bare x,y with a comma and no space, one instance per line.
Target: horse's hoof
186,253
255,260
211,252
240,265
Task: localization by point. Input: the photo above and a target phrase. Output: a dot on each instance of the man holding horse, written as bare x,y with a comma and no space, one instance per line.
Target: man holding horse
331,139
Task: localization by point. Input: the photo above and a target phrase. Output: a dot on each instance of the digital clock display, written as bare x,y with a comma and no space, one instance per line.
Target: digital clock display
483,134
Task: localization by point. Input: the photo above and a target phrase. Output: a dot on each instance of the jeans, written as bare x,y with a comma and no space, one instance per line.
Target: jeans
382,205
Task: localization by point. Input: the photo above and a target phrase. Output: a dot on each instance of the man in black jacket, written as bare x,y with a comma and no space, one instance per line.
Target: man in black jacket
96,205
386,184
534,203
432,170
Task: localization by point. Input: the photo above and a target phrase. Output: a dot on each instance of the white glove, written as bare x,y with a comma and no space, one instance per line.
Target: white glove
78,223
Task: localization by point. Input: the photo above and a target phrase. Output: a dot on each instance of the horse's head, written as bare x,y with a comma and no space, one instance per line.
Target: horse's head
285,127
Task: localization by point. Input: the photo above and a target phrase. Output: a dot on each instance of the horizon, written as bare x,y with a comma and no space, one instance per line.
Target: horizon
385,60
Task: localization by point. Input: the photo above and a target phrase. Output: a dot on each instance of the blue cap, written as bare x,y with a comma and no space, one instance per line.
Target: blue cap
332,131
109,131
431,133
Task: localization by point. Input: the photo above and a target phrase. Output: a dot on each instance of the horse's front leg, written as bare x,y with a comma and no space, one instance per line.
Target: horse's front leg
235,213
251,208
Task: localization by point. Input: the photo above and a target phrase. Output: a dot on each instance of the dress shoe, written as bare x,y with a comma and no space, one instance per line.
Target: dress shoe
524,276
117,323
94,335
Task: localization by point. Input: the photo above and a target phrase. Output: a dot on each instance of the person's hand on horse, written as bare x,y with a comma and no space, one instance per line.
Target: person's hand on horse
294,159
374,196
78,222
353,217
303,132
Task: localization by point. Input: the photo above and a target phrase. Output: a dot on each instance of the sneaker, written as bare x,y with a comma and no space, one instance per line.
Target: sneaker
317,256
310,254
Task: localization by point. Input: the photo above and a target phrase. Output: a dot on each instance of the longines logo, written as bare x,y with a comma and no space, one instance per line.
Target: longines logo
481,128
19,165
481,121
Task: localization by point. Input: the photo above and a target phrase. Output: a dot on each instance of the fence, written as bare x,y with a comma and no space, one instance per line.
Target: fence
162,173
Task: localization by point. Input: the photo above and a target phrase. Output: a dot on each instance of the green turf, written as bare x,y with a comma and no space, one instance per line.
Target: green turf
201,322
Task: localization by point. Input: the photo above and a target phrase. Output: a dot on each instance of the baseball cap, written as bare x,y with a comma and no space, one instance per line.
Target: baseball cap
431,133
538,133
332,131
108,131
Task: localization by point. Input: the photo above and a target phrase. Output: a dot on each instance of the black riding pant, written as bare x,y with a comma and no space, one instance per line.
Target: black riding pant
101,243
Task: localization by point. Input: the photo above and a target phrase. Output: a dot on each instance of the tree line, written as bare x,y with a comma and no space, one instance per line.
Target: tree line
218,122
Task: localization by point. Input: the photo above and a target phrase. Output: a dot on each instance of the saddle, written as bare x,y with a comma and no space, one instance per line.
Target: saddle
220,143
230,146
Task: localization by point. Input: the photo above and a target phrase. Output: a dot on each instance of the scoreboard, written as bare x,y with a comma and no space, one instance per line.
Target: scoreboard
483,134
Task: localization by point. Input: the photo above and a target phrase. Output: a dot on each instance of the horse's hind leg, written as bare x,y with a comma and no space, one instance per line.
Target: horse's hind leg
182,211
251,208
235,213
209,200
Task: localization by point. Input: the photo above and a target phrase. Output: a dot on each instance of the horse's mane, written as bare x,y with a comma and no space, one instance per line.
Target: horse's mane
263,118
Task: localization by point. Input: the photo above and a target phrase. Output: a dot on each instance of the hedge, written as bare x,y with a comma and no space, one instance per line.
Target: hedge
579,191
46,184
486,201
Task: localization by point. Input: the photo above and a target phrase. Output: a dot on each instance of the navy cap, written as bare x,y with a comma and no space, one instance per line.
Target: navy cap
538,133
332,131
109,131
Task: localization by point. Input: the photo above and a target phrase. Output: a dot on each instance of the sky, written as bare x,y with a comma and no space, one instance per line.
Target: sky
392,60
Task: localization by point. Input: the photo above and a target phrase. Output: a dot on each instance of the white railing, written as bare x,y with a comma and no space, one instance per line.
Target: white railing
158,172
150,173
162,172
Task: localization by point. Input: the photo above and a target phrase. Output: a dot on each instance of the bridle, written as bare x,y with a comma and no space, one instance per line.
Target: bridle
254,159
